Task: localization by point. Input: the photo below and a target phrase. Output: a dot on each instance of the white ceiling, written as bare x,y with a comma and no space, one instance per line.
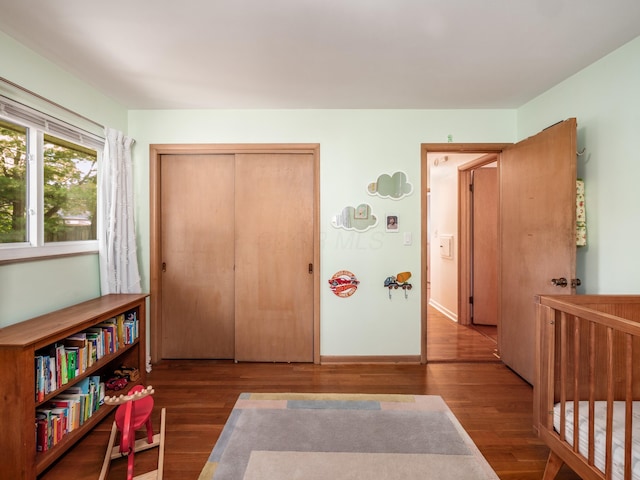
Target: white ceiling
152,54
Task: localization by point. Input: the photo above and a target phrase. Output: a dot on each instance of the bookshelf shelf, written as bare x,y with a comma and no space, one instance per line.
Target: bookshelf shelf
19,346
95,368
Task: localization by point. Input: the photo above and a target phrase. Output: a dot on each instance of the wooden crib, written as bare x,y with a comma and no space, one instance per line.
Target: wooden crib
588,369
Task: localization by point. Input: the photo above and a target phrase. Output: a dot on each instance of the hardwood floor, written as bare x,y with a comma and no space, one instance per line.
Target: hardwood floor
448,341
492,403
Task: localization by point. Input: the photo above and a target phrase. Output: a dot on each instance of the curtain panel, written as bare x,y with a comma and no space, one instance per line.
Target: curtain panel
119,271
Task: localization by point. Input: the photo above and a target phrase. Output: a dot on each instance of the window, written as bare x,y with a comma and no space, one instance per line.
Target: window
48,185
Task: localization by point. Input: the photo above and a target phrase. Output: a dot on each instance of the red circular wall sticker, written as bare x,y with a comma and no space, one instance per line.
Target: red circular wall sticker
343,283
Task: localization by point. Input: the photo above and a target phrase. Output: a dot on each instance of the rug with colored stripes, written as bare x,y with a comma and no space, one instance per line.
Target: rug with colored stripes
344,436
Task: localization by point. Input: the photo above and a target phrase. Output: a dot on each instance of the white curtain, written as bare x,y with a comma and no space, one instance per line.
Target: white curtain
118,253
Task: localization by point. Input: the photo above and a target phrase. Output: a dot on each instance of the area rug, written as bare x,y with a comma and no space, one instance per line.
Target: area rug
344,437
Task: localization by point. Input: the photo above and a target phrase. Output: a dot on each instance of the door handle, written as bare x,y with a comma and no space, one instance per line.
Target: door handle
559,282
310,268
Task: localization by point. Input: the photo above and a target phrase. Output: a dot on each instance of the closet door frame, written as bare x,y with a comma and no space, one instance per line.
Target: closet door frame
155,226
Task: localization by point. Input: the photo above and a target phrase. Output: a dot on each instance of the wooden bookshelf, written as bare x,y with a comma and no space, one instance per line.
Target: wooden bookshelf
18,403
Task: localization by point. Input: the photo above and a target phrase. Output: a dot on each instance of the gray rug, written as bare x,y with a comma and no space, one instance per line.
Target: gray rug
342,436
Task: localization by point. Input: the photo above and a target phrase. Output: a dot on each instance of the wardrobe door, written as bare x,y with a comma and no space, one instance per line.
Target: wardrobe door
274,200
197,243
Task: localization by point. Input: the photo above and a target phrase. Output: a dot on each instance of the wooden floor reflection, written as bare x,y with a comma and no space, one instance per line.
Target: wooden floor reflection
448,341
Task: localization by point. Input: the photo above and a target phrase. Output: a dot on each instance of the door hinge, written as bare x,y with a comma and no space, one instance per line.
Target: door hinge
471,187
471,300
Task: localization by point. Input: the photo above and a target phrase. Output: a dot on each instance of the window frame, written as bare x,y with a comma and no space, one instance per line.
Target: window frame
40,124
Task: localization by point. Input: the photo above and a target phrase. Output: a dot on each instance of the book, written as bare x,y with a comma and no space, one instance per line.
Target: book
40,377
110,332
131,328
52,379
120,330
60,419
132,318
77,402
96,336
72,405
92,348
79,343
93,390
61,369
43,419
72,360
44,435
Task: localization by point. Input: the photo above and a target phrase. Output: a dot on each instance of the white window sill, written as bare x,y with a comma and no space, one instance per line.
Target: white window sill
25,252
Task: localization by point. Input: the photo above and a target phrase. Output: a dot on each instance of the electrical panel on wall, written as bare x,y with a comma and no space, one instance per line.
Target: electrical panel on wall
446,246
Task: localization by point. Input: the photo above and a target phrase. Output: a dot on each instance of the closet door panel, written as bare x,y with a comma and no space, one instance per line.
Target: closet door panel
274,248
197,313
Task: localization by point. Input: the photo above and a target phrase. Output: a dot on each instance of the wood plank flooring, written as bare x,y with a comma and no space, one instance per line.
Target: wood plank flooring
492,403
448,341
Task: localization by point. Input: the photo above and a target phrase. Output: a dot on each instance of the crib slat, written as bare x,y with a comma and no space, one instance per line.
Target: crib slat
610,398
563,375
628,417
592,391
576,384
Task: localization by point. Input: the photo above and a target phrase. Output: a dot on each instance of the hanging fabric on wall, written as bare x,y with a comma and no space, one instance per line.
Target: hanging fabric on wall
119,271
581,215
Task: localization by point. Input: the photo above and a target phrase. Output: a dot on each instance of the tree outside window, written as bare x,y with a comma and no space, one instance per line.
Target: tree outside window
69,187
13,183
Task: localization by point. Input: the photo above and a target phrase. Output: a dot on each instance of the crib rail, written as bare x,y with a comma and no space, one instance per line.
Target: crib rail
587,348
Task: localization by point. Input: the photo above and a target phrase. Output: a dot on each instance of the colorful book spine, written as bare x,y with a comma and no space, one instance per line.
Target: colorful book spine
44,432
120,330
40,377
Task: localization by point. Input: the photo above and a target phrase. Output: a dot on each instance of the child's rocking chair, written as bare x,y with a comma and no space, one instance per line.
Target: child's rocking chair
134,411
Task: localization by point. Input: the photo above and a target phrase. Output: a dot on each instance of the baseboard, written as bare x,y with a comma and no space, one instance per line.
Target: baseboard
446,312
354,359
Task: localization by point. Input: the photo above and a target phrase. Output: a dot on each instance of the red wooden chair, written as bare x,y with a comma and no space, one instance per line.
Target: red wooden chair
134,411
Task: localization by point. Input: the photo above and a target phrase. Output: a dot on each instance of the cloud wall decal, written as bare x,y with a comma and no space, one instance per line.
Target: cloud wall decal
395,186
358,218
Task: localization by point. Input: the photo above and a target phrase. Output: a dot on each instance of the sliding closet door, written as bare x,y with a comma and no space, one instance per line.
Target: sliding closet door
197,215
274,200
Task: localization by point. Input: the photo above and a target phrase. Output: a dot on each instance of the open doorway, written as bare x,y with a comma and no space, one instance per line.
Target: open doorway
448,253
479,229
537,241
